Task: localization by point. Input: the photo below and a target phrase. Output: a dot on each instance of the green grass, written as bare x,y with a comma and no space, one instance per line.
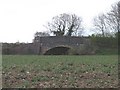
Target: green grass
60,71
107,51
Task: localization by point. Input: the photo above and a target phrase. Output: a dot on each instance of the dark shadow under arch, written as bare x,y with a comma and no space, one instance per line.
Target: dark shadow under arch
57,51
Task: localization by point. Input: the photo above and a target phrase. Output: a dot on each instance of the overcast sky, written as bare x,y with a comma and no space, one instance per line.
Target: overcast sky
20,19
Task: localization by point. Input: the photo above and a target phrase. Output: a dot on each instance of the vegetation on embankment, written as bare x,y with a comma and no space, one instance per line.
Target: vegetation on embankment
105,45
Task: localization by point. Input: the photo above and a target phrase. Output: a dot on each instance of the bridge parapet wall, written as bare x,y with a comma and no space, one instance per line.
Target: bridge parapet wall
46,43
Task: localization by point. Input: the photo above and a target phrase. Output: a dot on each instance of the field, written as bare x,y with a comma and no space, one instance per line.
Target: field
32,71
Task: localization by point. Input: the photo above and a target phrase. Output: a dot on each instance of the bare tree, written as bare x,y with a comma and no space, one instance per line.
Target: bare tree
114,18
109,23
100,24
65,24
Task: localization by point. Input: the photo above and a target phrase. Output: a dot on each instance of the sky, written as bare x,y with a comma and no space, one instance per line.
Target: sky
20,19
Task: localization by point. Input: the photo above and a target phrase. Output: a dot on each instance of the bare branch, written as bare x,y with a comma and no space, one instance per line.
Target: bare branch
65,24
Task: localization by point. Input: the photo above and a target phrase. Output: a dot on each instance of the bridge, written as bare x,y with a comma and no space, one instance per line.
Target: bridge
58,45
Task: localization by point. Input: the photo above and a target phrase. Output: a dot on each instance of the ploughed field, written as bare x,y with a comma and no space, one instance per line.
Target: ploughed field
33,71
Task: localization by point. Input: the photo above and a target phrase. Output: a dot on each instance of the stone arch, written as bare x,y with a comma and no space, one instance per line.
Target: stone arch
58,50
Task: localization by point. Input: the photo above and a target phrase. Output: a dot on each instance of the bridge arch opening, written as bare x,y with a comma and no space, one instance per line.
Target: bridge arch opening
58,51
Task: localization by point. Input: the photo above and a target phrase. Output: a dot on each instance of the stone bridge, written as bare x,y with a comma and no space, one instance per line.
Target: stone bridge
58,45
